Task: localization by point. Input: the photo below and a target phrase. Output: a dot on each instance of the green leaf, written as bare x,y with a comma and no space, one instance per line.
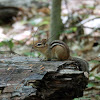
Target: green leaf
90,85
82,6
94,61
82,98
44,23
97,77
10,44
91,75
1,44
91,7
74,29
32,54
68,31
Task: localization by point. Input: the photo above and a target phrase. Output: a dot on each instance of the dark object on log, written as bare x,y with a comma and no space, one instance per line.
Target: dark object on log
7,14
32,79
10,8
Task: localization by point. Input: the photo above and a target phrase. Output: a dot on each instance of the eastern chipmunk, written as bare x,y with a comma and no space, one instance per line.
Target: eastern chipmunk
55,50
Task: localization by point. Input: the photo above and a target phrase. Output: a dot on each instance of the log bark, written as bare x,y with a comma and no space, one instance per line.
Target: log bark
25,78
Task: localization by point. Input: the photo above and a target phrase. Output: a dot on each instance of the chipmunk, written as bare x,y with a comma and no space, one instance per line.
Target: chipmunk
59,50
55,50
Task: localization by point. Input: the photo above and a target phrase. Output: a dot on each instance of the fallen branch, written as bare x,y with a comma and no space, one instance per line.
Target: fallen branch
85,21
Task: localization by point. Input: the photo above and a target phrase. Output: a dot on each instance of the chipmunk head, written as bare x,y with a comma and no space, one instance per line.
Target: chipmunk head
41,45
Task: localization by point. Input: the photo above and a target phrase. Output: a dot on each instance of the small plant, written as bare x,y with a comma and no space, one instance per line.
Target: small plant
8,43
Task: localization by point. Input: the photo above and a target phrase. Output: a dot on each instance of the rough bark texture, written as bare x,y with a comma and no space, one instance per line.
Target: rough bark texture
24,78
56,26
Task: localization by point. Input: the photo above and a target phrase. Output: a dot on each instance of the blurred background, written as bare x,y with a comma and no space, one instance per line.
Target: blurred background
23,20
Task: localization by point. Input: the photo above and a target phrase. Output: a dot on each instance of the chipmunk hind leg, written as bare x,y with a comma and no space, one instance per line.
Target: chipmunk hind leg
60,53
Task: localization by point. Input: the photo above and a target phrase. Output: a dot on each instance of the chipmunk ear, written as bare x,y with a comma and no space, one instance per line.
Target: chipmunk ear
44,41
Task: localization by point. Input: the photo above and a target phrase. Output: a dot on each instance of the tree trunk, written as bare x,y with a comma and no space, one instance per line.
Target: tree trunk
56,26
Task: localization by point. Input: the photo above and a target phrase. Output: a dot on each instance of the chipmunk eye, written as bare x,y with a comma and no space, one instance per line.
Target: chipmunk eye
39,44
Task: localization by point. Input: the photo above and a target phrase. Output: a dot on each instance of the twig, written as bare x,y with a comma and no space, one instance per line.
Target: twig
3,52
94,58
91,27
85,21
95,29
92,88
86,27
96,66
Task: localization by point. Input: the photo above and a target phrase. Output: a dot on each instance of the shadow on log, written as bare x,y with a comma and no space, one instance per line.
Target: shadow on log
24,78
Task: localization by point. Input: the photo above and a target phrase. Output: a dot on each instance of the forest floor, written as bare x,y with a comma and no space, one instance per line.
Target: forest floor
18,37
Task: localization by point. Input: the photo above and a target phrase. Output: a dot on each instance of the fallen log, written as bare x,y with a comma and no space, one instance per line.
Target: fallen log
10,9
25,78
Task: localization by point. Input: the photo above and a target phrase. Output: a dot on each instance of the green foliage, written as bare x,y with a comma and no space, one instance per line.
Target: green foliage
39,21
8,43
42,32
32,54
32,22
44,23
68,31
86,6
91,7
74,29
91,74
82,98
90,85
94,61
29,54
97,77
71,30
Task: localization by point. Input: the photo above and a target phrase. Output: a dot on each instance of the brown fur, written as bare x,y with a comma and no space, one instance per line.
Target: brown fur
56,50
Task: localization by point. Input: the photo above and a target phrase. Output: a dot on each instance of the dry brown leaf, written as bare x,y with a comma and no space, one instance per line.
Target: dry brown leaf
9,68
42,68
41,65
44,10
